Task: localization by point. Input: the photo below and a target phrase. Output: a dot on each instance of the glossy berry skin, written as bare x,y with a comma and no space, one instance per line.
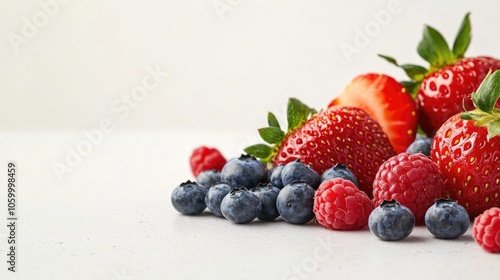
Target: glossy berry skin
295,203
420,145
206,158
412,180
241,206
469,163
208,178
339,134
214,197
388,102
274,176
189,198
339,171
486,230
446,219
244,172
340,205
268,195
442,92
391,221
297,171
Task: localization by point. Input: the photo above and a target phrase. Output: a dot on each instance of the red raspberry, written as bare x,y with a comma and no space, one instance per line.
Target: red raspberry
340,205
486,230
410,179
205,158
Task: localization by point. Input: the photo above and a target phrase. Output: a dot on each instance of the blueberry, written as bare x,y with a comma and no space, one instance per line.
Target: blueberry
268,195
297,171
339,171
295,202
208,178
214,197
275,176
241,206
189,198
244,172
391,221
447,219
422,145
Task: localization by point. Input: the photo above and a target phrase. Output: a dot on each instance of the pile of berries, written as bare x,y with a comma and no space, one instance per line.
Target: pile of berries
361,162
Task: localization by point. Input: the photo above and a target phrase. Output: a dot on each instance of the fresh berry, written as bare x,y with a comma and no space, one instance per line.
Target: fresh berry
295,203
446,219
340,134
466,150
268,195
214,197
391,221
444,88
340,205
189,198
244,172
274,176
205,158
410,179
339,171
297,171
208,178
388,102
486,230
420,145
241,206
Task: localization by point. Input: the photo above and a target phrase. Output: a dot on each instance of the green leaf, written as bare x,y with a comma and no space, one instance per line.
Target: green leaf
272,121
411,87
415,72
434,49
272,135
488,92
297,113
493,129
259,151
389,59
463,38
466,116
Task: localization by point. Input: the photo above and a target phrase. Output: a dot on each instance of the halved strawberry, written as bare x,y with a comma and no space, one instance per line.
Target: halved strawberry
388,102
341,134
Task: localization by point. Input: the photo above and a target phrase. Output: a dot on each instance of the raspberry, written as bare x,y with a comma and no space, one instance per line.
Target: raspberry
340,205
410,179
486,230
205,158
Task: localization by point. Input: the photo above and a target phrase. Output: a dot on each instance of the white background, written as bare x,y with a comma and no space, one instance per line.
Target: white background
110,217
226,71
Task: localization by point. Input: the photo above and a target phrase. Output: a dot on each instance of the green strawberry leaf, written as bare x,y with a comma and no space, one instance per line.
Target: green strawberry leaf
463,38
434,49
415,72
297,113
272,121
493,129
259,150
488,93
272,135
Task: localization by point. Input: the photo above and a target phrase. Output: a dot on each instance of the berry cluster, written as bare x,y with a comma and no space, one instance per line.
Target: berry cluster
361,162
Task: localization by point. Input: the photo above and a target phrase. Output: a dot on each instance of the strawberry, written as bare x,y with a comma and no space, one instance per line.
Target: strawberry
341,134
388,102
448,83
467,151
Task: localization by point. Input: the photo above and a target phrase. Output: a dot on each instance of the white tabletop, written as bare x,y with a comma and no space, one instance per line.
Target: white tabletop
111,218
